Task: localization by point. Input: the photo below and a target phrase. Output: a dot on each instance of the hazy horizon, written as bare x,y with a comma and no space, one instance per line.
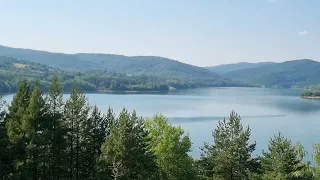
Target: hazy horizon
201,33
158,56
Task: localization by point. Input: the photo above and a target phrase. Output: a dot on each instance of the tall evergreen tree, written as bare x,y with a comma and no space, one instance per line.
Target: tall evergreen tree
171,146
76,114
95,131
15,132
108,122
56,131
17,110
126,152
34,123
282,161
230,156
6,165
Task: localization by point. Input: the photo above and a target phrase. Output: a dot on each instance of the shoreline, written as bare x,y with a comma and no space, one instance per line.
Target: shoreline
168,91
310,97
128,91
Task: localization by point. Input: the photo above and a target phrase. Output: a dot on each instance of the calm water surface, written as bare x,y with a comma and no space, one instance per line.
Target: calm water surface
266,111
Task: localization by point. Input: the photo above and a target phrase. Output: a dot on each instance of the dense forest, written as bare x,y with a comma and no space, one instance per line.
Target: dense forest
296,73
13,70
45,137
310,94
301,73
135,65
225,68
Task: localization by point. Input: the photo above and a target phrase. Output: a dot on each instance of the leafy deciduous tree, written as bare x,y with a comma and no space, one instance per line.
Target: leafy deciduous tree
171,147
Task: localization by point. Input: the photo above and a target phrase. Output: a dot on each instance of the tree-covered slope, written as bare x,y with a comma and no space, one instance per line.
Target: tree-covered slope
58,60
225,68
176,74
285,74
148,65
13,70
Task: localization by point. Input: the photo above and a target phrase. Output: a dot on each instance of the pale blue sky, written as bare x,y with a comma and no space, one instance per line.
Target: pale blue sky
199,32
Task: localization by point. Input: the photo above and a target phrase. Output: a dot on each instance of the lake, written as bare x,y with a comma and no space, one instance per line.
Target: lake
266,111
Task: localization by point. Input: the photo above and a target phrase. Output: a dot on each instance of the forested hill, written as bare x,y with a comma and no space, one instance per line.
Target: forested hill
285,74
225,68
12,71
57,60
148,65
44,137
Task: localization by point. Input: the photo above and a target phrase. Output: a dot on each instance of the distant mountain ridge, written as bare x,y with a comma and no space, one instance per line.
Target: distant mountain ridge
180,74
286,74
225,68
149,65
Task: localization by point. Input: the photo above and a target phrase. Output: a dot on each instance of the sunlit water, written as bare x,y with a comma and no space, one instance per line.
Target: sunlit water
266,111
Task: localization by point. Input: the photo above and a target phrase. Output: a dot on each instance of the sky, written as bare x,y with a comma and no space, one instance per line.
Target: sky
201,32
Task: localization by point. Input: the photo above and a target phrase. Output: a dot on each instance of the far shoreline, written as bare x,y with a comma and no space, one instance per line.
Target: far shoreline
310,97
165,91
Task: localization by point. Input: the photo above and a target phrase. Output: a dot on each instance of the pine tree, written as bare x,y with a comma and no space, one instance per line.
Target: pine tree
283,160
34,127
15,132
56,131
76,113
107,123
6,165
95,131
230,156
17,110
126,153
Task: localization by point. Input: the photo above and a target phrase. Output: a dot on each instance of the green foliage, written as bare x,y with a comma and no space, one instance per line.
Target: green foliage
316,157
225,68
169,72
286,74
126,151
15,131
76,114
307,94
13,71
95,129
34,127
230,156
98,80
17,110
310,94
43,137
171,147
283,160
56,131
138,65
6,164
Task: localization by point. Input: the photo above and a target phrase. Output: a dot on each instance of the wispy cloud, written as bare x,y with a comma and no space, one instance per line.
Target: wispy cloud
303,33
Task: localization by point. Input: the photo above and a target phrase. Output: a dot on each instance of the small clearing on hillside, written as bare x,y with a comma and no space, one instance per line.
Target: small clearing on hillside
18,65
